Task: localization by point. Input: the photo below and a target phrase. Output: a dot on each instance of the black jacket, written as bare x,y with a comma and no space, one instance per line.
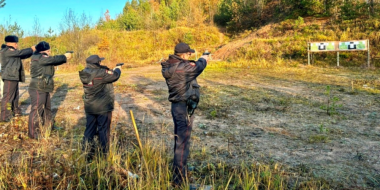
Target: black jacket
11,65
98,89
42,71
180,76
1,59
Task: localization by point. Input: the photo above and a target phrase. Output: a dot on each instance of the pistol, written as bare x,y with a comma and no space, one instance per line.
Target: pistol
206,53
69,51
120,64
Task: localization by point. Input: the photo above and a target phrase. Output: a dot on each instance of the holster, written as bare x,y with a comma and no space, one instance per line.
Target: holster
192,103
46,78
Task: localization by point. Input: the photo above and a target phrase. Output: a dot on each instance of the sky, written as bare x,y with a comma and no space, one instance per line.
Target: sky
51,13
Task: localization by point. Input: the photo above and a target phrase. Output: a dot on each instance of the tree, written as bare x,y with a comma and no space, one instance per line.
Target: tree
2,3
131,19
50,34
37,31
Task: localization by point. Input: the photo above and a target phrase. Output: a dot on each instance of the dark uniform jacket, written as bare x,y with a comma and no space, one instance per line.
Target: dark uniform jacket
42,71
98,89
11,64
180,76
1,59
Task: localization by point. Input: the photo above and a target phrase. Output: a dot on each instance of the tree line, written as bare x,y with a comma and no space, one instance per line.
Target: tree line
245,14
160,24
236,15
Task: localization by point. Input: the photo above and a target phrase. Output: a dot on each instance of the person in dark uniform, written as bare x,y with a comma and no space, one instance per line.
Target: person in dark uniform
98,102
1,81
41,85
180,75
12,74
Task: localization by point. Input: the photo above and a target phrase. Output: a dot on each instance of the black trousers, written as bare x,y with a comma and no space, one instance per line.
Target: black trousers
97,124
40,113
9,103
183,126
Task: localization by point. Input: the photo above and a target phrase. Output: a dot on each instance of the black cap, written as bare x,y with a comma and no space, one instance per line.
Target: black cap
183,48
11,38
42,46
94,59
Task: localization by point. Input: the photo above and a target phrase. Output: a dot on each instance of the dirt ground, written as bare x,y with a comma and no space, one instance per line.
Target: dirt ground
273,115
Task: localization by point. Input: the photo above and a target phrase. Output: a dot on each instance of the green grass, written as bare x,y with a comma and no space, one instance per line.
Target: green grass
318,139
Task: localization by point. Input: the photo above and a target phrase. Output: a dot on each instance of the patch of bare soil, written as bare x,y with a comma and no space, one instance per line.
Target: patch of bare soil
255,116
228,50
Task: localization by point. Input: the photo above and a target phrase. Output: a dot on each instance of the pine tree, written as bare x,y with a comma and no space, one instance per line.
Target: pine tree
2,3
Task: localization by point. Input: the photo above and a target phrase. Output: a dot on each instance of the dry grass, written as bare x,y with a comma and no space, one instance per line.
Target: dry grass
256,128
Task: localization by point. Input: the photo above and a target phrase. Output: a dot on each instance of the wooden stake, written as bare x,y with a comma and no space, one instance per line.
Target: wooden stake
138,139
136,131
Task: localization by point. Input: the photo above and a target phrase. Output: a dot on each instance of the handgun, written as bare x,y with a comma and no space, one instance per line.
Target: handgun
120,64
69,51
206,53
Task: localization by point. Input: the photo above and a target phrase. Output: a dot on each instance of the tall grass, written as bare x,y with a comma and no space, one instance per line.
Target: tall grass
60,163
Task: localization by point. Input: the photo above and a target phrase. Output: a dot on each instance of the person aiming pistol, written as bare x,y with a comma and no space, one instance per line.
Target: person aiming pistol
181,78
99,101
12,73
41,85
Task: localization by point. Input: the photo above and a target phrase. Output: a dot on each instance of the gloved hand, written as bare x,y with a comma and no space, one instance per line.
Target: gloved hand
68,55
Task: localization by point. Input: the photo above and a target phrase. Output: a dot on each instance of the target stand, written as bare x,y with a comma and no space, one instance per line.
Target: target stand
337,46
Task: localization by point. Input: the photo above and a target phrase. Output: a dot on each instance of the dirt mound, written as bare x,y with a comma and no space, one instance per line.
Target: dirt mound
231,48
266,32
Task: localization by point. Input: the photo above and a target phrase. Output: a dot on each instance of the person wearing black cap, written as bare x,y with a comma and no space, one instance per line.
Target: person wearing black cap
41,84
98,102
12,74
180,75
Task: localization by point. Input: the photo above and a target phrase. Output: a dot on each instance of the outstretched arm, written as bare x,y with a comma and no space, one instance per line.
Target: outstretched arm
23,54
193,70
110,76
52,60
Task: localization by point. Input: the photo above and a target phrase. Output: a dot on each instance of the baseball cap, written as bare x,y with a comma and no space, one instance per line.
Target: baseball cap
94,59
183,48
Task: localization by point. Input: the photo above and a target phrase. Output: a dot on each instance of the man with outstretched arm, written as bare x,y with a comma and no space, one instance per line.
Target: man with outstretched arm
180,75
12,73
41,85
99,101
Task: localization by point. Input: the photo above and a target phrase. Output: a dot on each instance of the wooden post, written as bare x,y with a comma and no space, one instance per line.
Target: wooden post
308,53
369,55
337,57
138,139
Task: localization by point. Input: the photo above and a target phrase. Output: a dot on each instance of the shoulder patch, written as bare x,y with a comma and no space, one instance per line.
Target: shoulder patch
192,64
109,72
11,49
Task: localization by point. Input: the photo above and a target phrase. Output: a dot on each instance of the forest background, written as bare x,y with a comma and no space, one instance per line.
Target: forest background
246,34
276,32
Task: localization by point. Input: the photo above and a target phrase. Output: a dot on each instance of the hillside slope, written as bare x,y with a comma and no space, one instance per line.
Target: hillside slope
287,40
